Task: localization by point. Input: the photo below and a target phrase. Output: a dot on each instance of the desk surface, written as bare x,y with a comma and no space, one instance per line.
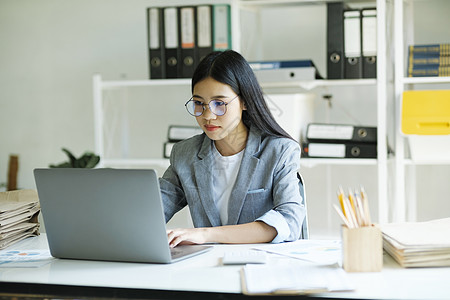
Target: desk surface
202,276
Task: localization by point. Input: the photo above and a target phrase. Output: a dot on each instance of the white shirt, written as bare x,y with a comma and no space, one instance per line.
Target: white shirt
225,171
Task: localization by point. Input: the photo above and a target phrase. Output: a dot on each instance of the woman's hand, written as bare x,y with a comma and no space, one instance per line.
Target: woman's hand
250,233
186,236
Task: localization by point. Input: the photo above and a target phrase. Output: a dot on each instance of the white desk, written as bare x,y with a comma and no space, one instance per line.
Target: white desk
199,277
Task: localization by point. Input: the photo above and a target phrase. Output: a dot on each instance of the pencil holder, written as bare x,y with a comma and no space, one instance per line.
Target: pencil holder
362,249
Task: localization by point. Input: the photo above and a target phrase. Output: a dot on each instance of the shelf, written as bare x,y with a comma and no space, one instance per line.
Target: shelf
304,84
311,162
418,80
122,162
431,162
156,83
306,162
293,2
312,84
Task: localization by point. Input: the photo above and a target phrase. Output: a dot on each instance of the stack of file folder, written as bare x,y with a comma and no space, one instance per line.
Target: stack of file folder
178,133
340,141
418,244
19,212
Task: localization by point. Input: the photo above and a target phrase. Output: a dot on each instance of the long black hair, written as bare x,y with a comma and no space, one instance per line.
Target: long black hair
231,68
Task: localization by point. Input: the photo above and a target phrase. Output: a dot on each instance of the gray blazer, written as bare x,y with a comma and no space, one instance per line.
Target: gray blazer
266,187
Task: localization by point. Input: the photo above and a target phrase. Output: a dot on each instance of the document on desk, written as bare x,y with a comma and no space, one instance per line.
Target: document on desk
321,252
24,258
293,279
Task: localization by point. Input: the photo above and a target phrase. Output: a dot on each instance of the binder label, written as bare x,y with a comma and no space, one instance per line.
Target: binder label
154,29
187,27
322,131
352,34
204,26
369,24
171,29
326,150
221,27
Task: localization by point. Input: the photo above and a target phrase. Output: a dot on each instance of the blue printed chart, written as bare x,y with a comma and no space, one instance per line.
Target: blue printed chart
24,258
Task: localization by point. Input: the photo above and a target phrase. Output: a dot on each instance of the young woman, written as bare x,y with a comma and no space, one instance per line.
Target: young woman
239,178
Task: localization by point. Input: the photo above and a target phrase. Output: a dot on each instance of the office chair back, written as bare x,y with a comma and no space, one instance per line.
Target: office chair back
305,226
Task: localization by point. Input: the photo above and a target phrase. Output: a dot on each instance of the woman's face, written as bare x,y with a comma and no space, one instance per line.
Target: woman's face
228,126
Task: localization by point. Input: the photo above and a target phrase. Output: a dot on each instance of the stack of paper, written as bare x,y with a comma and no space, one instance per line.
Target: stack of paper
418,244
18,216
292,279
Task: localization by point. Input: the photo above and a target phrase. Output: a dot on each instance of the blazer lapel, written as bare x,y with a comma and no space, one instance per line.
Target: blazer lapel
203,176
247,169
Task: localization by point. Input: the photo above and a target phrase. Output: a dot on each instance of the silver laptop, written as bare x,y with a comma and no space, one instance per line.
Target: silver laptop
106,214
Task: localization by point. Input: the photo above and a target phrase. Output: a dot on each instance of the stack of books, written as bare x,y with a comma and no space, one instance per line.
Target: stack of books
19,212
418,244
339,141
429,60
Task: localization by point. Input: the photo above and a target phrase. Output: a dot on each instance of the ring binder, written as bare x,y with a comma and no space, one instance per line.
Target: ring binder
187,34
335,40
172,54
369,42
352,44
204,31
155,43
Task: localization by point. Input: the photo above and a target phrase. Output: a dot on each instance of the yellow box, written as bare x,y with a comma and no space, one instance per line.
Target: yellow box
362,249
426,112
426,123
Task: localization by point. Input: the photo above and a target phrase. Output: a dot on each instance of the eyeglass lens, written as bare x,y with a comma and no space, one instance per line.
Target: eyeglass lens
196,108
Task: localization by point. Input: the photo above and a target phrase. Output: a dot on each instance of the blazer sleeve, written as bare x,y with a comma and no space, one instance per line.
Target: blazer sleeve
288,211
172,193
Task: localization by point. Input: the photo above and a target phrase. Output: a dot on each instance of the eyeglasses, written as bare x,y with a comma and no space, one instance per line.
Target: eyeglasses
217,107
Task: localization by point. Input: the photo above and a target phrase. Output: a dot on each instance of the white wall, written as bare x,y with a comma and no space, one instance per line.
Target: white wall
51,48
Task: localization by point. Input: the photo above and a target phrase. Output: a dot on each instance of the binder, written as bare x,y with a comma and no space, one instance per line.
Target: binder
335,40
178,133
155,43
167,149
369,42
317,132
277,71
221,27
204,31
352,44
339,150
171,49
186,23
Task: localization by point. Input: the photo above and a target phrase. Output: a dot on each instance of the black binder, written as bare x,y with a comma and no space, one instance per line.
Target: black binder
317,132
369,42
171,42
155,43
204,30
335,40
352,44
339,150
187,36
